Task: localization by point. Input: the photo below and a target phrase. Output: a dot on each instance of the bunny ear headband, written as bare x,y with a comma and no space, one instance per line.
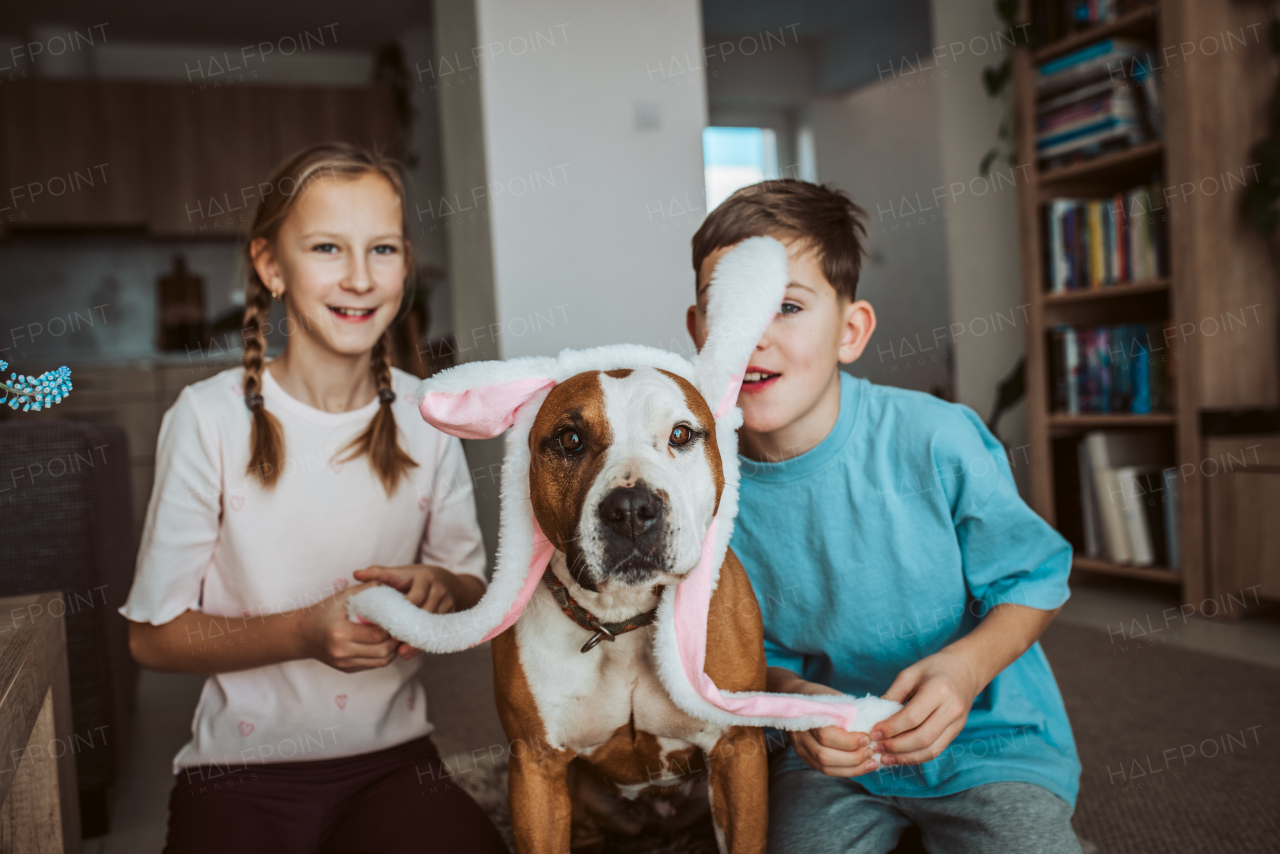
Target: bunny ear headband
481,400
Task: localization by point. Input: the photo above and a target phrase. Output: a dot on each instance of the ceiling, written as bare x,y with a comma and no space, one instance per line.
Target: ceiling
853,41
736,18
361,25
850,38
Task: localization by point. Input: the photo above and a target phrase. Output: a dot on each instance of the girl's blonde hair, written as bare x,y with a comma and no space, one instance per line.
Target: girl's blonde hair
332,160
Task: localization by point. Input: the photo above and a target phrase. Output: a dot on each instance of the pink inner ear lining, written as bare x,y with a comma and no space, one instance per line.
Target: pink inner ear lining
482,412
731,393
542,551
692,608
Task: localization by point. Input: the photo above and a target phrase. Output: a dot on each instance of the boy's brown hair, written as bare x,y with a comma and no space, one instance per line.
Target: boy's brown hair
824,217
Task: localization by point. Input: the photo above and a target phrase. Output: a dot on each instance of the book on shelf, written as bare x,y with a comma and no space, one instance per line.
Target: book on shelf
1099,98
1055,19
1122,368
1128,494
1095,121
1098,243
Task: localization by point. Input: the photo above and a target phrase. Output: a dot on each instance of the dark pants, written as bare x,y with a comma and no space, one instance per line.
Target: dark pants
393,801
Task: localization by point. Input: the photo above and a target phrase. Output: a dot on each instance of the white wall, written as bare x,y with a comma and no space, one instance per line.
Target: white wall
882,146
569,168
581,145
981,232
878,143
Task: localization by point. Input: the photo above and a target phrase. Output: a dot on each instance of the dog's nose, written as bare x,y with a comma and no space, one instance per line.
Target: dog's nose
631,511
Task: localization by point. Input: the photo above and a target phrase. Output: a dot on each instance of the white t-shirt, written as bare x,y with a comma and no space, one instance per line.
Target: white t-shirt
216,541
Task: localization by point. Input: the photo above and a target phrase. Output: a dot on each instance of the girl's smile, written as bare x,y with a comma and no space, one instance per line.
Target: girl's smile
352,315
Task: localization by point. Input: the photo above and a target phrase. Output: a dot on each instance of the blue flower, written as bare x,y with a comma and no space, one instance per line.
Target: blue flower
35,393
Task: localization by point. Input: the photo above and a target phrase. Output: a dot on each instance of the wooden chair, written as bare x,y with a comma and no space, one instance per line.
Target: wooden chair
39,807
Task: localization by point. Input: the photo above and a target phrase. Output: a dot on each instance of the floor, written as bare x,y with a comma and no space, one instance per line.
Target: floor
1130,612
1135,611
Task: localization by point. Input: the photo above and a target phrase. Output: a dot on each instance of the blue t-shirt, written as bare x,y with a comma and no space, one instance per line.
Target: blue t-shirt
887,542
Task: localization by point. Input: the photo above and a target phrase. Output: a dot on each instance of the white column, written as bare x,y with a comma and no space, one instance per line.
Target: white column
982,226
572,141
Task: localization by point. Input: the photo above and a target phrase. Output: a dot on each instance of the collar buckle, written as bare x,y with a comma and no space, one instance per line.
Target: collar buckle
601,633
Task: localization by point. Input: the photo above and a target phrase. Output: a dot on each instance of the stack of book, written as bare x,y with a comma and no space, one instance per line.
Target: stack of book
1086,13
1094,243
1055,19
1129,499
1110,369
1100,98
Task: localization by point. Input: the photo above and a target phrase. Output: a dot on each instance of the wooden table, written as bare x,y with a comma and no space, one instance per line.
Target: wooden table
39,806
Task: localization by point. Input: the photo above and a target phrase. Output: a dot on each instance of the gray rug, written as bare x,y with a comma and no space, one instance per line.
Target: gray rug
490,792
1178,748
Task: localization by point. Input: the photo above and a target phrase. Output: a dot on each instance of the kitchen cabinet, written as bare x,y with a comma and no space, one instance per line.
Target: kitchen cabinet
203,149
70,154
177,160
362,116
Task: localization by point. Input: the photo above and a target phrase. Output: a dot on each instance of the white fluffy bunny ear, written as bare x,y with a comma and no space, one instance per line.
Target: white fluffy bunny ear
479,400
746,292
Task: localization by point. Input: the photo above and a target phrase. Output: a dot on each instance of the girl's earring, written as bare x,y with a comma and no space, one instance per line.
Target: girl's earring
275,295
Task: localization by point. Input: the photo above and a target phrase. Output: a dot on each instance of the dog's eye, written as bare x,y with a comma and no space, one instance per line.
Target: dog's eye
570,440
680,435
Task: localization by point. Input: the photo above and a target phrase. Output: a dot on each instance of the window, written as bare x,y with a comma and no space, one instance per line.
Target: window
737,157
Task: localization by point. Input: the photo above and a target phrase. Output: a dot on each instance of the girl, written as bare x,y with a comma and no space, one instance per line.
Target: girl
278,485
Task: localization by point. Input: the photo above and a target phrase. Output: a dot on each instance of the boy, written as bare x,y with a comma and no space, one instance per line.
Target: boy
890,553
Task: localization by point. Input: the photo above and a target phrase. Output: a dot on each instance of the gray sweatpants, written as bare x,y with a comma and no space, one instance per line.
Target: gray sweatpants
811,813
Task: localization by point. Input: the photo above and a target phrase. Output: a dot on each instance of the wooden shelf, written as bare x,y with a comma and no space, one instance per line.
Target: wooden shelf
1106,292
1106,166
1139,20
1145,573
1099,420
1215,264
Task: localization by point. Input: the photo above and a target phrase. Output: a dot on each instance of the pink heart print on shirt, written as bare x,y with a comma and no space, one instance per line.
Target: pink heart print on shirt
422,504
340,584
341,700
337,466
246,729
237,501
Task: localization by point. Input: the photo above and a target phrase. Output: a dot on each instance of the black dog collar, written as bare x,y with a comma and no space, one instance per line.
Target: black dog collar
588,621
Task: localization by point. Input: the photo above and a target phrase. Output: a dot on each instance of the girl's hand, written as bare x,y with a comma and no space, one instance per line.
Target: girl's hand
428,587
328,635
941,689
830,749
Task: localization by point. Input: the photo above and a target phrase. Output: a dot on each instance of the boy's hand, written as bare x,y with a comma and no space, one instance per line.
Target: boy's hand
941,689
834,752
830,749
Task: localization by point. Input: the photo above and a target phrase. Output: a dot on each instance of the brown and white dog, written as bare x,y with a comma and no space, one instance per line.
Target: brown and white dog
625,478
628,650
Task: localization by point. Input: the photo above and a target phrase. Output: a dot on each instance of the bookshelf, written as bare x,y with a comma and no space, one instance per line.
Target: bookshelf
1113,292
1100,170
1214,109
1139,22
1160,575
1092,421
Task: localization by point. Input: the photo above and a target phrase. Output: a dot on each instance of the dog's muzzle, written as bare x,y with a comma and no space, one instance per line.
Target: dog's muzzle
633,530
